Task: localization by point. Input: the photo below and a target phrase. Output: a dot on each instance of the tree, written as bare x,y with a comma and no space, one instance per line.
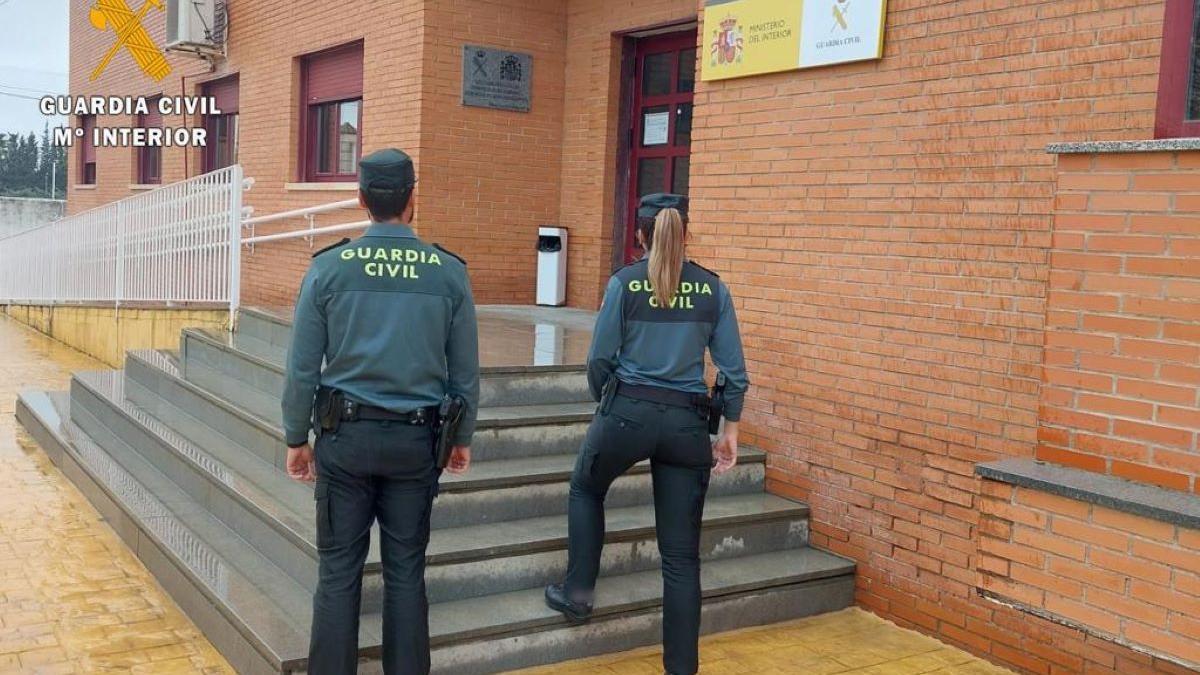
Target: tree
28,166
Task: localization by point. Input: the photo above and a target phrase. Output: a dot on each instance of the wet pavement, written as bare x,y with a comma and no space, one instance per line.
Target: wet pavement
521,335
73,598
534,336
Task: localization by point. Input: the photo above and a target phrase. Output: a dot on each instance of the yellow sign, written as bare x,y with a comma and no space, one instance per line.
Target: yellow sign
749,37
127,24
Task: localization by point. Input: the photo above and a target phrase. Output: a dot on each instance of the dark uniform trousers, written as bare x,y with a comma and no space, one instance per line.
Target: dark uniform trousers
676,441
368,470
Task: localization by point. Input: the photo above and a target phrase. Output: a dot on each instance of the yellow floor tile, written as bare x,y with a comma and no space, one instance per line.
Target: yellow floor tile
850,641
73,598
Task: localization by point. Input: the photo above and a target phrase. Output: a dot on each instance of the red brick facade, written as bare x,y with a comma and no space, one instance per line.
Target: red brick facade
921,287
888,228
489,178
1132,580
266,41
1121,383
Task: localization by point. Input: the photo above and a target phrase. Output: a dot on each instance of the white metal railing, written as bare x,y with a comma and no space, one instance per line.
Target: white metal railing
310,214
177,244
307,233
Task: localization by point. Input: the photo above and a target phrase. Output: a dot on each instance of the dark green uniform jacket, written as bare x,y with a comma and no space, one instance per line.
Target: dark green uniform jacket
664,347
394,322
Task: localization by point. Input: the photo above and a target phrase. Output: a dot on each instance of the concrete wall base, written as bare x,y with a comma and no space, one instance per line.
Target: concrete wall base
106,333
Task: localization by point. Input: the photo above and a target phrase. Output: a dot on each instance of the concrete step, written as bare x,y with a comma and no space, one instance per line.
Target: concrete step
249,496
254,613
153,384
513,555
513,630
257,615
221,402
260,366
495,489
255,387
502,432
270,325
506,520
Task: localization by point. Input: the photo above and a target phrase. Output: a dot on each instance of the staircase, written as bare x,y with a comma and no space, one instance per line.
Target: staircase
182,452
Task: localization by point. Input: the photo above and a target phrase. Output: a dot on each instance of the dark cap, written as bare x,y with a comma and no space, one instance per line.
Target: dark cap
650,205
389,169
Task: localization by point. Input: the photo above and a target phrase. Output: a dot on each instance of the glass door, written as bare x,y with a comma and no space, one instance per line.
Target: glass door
660,151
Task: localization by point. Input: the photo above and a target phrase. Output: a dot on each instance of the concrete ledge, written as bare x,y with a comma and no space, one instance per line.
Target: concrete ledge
1170,506
1157,145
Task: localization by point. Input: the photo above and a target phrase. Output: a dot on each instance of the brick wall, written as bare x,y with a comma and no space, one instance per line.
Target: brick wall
489,178
266,40
1133,580
886,230
1121,391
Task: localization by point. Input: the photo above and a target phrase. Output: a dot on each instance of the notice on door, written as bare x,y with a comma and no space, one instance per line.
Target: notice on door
654,128
751,37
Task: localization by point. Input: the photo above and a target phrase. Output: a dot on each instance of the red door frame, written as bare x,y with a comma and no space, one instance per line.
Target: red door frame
658,44
1175,72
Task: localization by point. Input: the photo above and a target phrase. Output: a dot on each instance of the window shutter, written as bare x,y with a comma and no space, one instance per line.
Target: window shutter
152,119
225,91
89,149
334,74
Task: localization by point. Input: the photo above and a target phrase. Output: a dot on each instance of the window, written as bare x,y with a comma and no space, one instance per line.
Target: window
331,113
149,159
87,151
337,138
1179,72
222,148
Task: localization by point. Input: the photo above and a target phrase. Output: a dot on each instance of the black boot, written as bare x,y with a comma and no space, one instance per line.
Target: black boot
557,600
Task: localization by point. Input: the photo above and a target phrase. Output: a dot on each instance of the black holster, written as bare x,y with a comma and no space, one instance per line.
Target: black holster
608,393
327,411
449,418
716,405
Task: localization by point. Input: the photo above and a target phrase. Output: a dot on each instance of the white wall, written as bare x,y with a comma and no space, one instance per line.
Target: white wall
17,213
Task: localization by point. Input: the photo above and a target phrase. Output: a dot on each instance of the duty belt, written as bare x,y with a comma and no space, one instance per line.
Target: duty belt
672,397
353,411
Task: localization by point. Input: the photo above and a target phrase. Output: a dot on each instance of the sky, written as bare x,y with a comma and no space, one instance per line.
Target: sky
33,60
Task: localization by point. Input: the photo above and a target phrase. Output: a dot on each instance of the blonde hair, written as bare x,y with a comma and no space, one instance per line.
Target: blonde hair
666,255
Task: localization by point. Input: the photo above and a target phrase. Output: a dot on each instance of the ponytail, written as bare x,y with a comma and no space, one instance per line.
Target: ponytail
666,255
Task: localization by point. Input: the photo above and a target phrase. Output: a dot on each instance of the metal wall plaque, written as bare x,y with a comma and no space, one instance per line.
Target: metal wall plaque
495,78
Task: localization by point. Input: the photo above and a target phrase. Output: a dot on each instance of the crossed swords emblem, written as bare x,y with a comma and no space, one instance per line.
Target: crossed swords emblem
839,15
131,35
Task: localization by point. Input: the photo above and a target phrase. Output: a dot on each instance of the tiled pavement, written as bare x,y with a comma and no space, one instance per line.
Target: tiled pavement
850,641
73,599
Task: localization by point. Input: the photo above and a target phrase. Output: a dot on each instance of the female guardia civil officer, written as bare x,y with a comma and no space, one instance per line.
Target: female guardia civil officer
658,317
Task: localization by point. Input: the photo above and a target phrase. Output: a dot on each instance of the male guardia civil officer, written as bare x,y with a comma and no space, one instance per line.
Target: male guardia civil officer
394,322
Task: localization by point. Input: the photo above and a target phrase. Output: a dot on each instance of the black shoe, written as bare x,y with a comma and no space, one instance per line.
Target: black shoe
557,600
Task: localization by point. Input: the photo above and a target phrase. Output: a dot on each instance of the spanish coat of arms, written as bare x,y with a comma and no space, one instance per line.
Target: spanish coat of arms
727,43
